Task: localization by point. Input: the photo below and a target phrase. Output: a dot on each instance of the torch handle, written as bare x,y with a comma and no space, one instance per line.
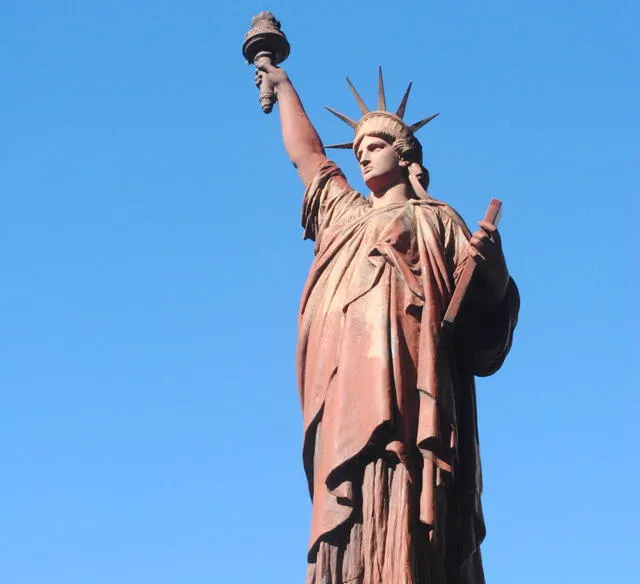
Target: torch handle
267,95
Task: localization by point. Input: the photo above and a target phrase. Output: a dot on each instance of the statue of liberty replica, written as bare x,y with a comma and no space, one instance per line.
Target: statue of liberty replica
386,382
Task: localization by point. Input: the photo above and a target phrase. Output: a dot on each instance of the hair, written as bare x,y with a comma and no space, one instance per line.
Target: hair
408,148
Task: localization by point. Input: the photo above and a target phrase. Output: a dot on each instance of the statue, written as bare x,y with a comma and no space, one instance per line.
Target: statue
390,445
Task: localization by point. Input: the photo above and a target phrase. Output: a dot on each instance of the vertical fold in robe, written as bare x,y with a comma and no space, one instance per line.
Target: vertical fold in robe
372,373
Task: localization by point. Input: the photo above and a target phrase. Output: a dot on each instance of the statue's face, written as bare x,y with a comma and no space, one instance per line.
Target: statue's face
379,164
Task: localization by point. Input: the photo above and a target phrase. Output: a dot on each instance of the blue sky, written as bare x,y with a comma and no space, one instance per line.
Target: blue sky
152,264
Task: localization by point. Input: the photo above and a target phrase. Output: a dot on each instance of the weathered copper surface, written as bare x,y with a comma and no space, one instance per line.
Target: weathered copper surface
463,284
388,400
265,42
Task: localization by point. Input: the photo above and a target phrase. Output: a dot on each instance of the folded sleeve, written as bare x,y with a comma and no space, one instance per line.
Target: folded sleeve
490,331
328,201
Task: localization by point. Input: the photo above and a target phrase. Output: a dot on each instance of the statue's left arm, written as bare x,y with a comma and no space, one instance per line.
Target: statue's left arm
490,313
485,249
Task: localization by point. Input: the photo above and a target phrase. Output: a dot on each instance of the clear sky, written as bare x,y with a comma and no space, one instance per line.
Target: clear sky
152,262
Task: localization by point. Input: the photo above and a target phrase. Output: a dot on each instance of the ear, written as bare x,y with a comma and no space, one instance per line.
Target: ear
403,163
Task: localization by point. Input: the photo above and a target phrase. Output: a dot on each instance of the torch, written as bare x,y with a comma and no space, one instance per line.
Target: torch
265,40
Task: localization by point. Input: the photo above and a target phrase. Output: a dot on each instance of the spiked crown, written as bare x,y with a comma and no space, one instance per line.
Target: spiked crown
379,121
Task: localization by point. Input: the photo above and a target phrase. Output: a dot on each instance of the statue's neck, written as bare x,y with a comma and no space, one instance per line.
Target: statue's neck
397,193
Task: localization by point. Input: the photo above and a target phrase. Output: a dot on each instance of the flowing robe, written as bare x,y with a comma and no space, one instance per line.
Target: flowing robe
390,444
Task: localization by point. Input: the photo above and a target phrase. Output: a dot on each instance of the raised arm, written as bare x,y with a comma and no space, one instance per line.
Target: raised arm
301,141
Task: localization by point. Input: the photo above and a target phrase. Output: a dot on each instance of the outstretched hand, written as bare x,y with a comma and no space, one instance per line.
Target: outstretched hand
485,247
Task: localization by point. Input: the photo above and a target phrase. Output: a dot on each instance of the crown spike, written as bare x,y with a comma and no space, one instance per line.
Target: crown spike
415,127
363,106
403,103
344,118
344,146
382,100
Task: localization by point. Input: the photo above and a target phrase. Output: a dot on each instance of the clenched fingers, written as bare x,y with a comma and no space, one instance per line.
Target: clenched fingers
476,254
491,230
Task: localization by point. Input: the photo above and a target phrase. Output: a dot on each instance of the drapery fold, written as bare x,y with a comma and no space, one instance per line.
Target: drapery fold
375,378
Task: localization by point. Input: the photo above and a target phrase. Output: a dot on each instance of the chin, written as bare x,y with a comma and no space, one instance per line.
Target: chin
372,179
376,183
377,180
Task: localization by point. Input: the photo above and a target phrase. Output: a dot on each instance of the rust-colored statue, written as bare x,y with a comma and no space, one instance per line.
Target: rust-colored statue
390,435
